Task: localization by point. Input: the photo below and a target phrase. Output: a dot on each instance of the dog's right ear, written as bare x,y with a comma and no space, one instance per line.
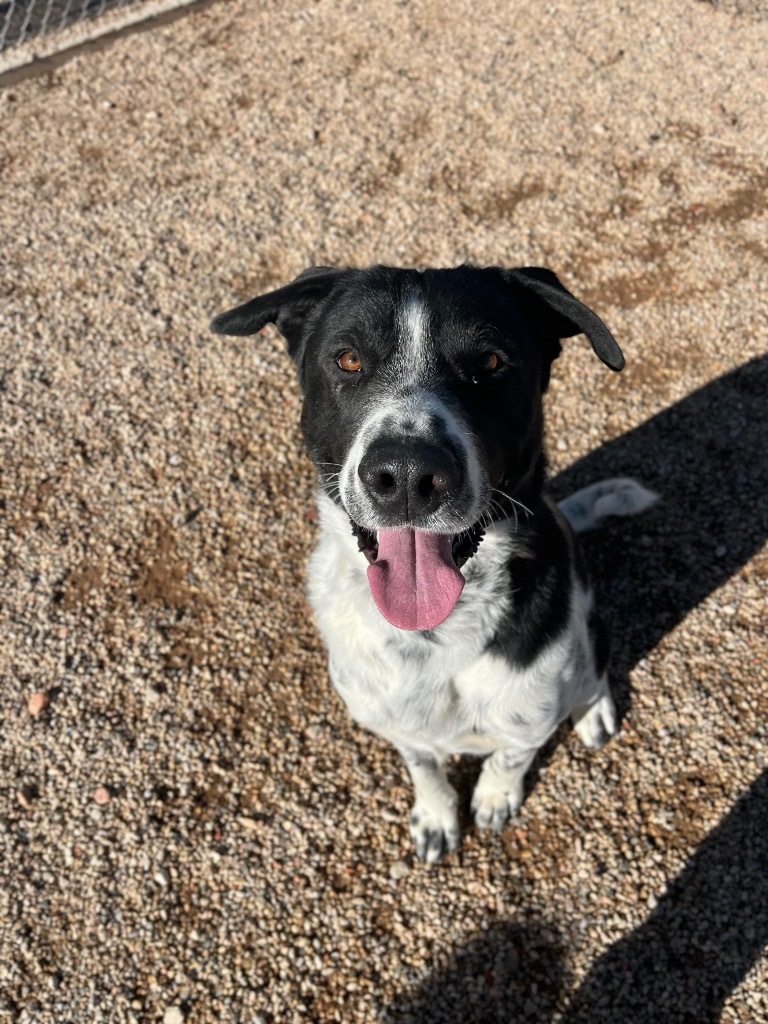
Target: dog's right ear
287,308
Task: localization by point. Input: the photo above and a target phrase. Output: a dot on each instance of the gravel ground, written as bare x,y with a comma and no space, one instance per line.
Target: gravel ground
192,828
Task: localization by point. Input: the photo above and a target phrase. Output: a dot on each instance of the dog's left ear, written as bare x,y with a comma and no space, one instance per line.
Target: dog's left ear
287,308
561,315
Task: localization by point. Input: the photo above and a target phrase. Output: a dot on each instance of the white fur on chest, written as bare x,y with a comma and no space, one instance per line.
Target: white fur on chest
439,692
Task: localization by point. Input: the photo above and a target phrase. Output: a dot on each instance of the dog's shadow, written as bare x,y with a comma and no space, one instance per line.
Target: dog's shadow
511,972
709,928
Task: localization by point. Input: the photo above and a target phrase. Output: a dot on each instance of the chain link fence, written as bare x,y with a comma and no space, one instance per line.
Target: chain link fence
34,33
22,20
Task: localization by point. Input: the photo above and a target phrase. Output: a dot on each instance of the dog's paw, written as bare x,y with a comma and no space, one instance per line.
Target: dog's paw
597,723
434,834
493,807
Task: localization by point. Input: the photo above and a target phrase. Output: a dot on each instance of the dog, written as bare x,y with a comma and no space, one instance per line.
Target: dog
446,582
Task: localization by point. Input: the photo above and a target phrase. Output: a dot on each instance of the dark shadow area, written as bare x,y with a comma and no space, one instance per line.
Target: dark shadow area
707,456
702,938
511,973
679,967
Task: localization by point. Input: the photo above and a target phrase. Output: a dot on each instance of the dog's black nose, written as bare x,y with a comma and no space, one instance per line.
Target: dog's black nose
409,480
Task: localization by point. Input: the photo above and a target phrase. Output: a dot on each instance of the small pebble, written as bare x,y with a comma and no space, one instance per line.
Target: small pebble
173,1015
249,823
101,796
38,702
399,870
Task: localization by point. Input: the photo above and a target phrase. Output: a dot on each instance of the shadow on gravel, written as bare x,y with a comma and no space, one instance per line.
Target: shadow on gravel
707,931
511,973
707,456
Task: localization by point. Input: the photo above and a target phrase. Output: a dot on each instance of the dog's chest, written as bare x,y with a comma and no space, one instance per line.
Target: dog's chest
441,690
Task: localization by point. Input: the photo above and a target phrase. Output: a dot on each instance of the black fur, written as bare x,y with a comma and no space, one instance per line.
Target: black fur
540,588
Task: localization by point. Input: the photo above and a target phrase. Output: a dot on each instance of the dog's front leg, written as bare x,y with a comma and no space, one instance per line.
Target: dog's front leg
434,824
499,791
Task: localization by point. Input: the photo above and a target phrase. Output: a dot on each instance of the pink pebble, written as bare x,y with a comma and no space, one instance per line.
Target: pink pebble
37,703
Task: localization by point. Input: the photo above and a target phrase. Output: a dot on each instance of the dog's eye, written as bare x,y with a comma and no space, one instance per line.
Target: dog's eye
486,366
350,361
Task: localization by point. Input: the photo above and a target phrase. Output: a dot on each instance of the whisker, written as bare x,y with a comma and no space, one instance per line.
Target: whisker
502,512
496,506
513,500
485,519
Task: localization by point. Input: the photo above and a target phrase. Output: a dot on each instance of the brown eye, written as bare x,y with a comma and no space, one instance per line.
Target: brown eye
487,364
350,362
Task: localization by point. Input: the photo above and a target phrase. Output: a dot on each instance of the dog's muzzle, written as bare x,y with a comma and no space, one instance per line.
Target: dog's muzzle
413,574
413,497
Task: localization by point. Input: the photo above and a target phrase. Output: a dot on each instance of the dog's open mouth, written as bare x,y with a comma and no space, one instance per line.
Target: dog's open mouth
414,576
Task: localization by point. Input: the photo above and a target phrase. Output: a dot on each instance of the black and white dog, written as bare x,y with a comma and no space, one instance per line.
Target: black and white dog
446,583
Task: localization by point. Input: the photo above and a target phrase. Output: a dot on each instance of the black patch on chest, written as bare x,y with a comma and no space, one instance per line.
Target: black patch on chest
540,592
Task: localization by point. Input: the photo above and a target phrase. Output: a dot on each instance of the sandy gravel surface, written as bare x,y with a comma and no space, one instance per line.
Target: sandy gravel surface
191,828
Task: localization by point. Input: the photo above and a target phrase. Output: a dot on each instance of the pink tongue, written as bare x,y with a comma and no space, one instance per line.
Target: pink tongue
414,581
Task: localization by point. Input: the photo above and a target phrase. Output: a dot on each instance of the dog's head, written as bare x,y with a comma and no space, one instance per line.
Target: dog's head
422,406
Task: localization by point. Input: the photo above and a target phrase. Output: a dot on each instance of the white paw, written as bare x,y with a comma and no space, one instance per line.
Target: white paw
434,831
494,806
597,723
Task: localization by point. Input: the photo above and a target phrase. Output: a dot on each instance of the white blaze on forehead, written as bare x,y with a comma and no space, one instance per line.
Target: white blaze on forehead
414,342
